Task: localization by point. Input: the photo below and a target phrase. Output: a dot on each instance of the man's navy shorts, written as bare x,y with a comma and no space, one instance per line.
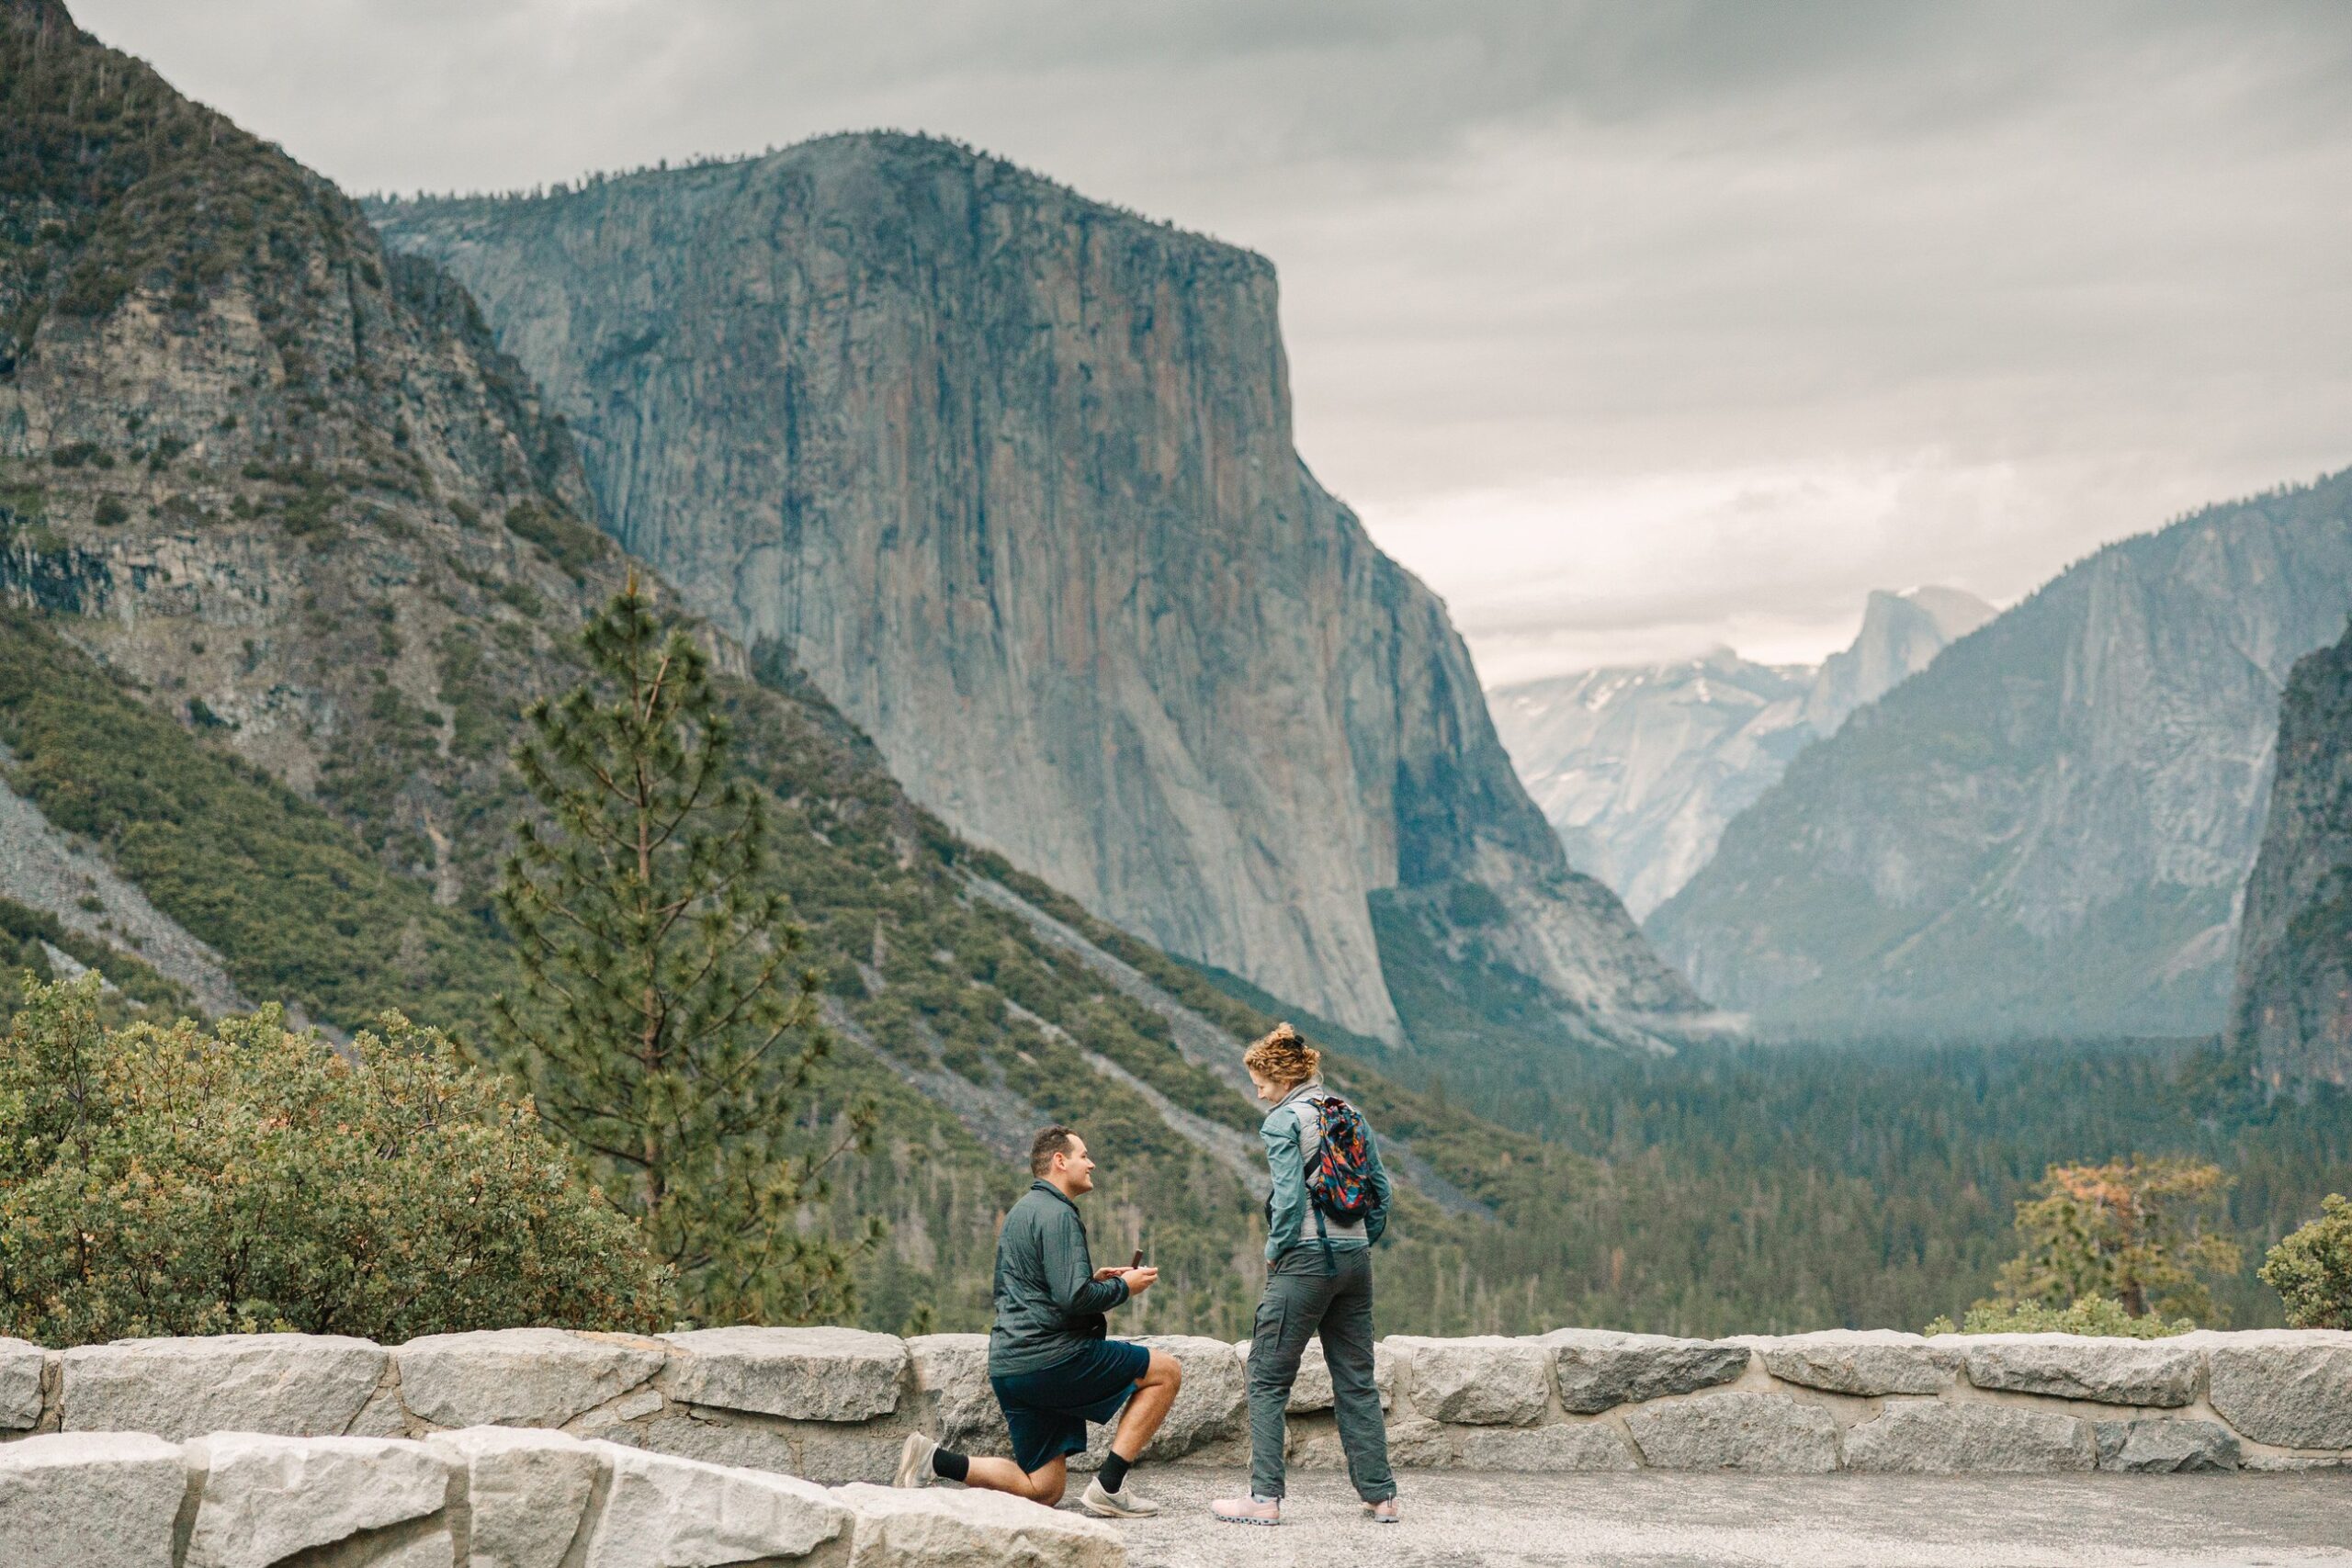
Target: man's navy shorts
1047,1410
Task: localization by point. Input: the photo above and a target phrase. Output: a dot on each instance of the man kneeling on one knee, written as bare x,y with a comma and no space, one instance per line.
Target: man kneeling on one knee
1049,1360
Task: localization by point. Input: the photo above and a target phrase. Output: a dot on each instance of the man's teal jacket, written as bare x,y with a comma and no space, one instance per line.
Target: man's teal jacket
1049,1306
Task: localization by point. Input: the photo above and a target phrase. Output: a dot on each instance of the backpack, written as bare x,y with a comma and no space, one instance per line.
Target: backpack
1339,1178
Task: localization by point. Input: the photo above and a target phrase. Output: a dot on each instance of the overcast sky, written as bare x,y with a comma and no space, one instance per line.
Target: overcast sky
1633,328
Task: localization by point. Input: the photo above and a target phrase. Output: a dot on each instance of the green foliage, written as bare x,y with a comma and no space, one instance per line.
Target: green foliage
2130,1230
2102,1317
166,1182
1868,1184
666,1027
296,906
2312,1270
110,181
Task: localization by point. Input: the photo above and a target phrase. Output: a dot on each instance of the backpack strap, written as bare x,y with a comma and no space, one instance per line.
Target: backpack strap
1323,1153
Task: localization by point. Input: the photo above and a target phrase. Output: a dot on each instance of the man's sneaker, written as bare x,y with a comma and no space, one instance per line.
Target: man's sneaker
1248,1510
914,1462
1121,1505
1383,1512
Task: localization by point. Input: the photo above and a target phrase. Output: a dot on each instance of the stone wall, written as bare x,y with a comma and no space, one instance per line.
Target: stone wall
832,1404
484,1497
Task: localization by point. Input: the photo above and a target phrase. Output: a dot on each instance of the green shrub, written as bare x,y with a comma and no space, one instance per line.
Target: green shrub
2092,1315
2098,1315
166,1182
2312,1270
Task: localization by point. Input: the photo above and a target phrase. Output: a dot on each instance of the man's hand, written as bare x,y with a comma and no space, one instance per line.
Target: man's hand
1138,1279
1111,1272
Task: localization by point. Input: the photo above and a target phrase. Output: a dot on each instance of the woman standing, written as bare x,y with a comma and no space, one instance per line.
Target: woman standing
1329,1205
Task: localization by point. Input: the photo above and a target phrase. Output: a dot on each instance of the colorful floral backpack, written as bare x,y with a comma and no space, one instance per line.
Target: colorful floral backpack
1339,1178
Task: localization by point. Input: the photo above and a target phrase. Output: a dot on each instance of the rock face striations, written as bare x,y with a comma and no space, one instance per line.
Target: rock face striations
2293,1006
1010,475
2047,828
1639,768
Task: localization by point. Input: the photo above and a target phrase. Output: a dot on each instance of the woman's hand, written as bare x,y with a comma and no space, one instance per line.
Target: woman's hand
1138,1279
1113,1272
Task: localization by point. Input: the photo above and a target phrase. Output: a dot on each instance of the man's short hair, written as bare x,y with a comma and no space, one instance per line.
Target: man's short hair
1054,1140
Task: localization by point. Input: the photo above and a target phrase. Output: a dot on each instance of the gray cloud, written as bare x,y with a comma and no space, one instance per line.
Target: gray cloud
1630,327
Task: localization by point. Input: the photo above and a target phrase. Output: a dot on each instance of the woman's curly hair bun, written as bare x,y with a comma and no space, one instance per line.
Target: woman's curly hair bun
1283,1056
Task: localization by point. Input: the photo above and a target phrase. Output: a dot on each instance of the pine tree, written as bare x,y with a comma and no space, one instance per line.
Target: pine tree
665,1025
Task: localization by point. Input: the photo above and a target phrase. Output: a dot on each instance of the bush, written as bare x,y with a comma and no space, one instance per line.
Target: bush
2098,1315
166,1182
2312,1270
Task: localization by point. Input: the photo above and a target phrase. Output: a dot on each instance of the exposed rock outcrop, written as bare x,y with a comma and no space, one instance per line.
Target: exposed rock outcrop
2046,830
281,485
1010,475
2292,1008
1639,768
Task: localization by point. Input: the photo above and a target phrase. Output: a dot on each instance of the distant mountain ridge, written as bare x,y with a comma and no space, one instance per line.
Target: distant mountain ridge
1009,474
2048,828
286,547
1638,768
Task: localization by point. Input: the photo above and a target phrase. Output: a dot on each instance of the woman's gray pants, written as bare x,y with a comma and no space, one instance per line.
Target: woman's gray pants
1301,1302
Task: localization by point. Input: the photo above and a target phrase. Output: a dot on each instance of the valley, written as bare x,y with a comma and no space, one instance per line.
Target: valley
1096,735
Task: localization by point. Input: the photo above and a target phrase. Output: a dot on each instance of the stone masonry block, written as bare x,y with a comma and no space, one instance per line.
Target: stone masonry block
2074,1366
19,1386
807,1374
2167,1447
1211,1404
92,1499
521,1377
265,1498
660,1512
1860,1361
984,1530
952,1370
522,1492
1736,1431
1598,1370
1930,1437
1562,1446
712,1437
1485,1382
2287,1387
292,1384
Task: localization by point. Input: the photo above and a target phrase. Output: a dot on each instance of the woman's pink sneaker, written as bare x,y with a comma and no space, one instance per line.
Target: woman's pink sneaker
1383,1512
1247,1511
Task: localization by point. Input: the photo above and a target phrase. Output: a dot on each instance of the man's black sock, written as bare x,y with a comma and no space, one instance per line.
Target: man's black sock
1113,1472
949,1465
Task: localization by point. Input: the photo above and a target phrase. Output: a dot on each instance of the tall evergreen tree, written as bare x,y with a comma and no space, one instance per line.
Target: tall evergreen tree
665,1023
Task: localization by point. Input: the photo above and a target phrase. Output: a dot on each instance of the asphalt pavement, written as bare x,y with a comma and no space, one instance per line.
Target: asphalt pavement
1658,1519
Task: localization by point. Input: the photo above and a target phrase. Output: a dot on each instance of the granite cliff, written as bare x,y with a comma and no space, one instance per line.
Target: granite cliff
2048,827
286,545
1639,767
2292,1008
1009,474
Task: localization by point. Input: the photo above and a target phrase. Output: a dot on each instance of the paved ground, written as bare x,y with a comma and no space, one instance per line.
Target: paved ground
1459,1519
